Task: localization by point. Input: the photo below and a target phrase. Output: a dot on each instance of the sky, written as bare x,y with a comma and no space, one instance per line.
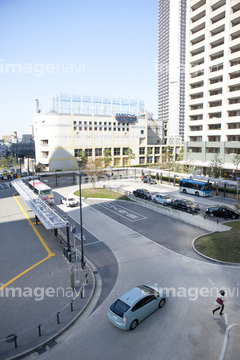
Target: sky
94,47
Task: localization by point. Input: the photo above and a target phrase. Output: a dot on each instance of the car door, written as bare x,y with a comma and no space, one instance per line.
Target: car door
144,307
220,211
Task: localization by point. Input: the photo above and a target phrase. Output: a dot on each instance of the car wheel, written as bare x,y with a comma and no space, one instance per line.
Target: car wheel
233,216
184,191
197,193
211,214
161,303
61,201
134,324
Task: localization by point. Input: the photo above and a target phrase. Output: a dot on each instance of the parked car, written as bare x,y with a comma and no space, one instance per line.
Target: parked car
1,176
163,199
184,204
69,201
148,180
222,211
143,193
135,305
5,175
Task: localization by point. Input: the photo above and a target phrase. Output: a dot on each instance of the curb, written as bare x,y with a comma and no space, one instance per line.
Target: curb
226,341
212,259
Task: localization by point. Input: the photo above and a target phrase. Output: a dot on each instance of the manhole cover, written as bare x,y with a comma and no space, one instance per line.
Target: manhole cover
10,338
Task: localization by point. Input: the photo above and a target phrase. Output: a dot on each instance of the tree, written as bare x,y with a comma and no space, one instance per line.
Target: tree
40,167
236,161
107,158
216,166
130,155
166,157
82,159
94,168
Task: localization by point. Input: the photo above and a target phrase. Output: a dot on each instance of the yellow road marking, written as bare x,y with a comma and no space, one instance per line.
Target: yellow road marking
24,272
50,253
33,227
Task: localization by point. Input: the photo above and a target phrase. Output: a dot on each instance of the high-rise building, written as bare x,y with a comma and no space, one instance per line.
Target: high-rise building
212,121
171,66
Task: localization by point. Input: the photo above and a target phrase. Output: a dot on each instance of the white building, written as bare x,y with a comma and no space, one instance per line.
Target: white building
171,66
93,124
212,123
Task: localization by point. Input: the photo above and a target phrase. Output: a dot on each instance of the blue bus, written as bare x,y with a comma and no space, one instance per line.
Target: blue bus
195,187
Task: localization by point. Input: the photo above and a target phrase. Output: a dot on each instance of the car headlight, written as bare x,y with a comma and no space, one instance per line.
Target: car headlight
124,319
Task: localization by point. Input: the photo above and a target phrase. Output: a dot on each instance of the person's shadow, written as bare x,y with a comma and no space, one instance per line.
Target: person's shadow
220,320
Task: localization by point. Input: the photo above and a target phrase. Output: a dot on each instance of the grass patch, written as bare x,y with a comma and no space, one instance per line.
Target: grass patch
101,193
223,246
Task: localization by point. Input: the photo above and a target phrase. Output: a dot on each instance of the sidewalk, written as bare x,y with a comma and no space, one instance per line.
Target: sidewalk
36,294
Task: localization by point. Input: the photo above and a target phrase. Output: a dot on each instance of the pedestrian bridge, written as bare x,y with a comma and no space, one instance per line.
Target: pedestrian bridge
45,213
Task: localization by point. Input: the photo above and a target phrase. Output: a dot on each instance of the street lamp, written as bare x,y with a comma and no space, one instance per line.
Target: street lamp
81,229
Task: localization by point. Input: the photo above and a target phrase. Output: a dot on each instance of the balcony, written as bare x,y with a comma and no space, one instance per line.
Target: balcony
216,49
217,24
196,35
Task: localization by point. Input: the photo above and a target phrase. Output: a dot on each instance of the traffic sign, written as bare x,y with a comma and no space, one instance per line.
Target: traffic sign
74,230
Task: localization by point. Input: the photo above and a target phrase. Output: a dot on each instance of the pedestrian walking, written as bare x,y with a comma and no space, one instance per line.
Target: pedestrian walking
220,302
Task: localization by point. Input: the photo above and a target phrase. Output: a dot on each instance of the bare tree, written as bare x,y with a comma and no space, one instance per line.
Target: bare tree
216,166
94,168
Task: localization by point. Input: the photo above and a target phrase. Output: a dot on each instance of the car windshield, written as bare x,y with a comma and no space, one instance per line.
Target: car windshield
166,197
119,307
71,199
45,192
147,289
188,202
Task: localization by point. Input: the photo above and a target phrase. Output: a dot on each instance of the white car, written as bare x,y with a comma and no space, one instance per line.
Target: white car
163,199
69,201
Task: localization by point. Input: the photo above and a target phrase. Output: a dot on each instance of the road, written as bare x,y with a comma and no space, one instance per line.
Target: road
152,249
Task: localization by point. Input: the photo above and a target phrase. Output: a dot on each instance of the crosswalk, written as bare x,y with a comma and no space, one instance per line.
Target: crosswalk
5,185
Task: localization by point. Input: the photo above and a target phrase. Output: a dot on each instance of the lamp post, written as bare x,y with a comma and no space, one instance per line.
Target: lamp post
81,229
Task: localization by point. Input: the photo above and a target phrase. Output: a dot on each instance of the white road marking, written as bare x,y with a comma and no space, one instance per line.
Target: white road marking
199,269
211,282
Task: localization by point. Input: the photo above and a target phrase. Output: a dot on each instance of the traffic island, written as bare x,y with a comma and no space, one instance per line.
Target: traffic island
223,247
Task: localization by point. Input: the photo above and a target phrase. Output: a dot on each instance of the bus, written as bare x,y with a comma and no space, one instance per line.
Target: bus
196,187
44,191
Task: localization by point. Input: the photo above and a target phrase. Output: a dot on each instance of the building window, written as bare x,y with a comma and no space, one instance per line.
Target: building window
77,152
98,152
88,152
142,132
141,151
141,160
116,151
125,151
